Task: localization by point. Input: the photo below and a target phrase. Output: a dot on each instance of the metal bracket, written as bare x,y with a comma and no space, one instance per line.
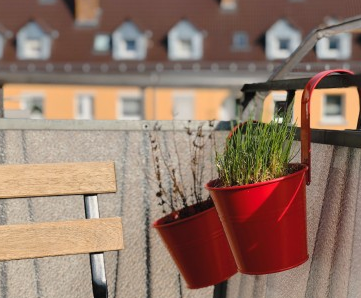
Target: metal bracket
220,290
99,281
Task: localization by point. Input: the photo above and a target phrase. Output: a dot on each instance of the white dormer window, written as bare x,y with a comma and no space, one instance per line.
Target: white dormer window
334,47
129,43
33,43
281,40
185,42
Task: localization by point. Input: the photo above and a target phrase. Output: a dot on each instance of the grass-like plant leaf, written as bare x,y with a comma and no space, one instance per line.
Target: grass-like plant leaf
256,152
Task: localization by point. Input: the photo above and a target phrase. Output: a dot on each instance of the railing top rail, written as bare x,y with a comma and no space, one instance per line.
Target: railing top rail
335,81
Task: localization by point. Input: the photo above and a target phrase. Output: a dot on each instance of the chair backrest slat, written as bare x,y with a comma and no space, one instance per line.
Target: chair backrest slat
33,180
37,240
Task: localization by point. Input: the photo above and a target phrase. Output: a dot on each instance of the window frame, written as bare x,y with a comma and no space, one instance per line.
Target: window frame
281,30
102,51
279,97
32,31
333,119
184,30
244,46
80,96
343,52
137,96
128,31
27,97
181,95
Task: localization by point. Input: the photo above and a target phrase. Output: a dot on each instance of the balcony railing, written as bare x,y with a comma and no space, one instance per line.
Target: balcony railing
144,268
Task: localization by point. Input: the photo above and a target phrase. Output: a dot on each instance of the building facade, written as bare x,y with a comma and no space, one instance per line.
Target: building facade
162,61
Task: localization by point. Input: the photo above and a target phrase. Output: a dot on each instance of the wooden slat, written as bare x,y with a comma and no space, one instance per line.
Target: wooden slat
38,240
17,181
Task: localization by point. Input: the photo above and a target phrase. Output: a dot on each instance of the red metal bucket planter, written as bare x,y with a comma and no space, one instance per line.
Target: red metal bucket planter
199,247
265,222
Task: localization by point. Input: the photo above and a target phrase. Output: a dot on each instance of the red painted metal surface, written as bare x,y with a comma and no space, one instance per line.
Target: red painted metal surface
199,247
265,222
305,116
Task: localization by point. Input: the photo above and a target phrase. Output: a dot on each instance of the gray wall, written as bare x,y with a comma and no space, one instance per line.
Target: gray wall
144,269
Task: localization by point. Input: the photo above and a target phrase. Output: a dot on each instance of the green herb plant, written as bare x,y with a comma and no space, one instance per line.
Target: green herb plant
256,152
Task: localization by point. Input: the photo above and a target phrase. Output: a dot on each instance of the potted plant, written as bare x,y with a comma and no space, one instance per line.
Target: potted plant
260,197
191,229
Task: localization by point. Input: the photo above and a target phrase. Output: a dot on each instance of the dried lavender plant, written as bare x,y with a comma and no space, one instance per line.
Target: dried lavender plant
181,195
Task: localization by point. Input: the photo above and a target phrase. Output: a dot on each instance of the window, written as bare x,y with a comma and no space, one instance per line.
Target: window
101,43
280,109
84,107
130,107
333,43
284,43
185,42
129,43
333,109
279,105
184,47
240,41
228,109
33,43
183,106
33,106
281,40
335,47
32,48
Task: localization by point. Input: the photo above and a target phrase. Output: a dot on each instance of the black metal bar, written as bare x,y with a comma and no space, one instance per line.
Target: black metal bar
346,138
290,97
99,281
358,125
248,96
335,81
220,290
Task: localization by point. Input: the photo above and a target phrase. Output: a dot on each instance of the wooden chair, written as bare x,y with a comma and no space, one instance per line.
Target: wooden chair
93,235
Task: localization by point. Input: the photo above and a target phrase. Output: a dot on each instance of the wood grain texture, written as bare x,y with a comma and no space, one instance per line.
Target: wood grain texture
38,240
33,180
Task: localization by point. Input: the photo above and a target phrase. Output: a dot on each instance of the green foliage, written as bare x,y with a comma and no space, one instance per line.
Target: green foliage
256,152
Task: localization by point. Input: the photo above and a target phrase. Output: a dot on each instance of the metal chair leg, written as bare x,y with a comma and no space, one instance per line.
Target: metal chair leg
99,281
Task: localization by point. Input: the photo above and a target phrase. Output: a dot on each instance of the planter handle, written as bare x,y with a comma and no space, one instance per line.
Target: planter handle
305,117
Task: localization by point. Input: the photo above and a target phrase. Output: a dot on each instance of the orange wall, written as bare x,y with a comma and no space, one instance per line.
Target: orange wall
59,100
351,108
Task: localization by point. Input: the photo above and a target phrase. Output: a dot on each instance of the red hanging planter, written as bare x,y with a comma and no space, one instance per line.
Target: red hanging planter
265,222
199,247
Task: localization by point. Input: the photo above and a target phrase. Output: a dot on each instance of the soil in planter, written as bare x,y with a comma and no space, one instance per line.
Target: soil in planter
188,211
291,168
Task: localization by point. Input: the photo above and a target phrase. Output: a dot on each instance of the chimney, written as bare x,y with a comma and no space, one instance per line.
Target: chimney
87,12
228,4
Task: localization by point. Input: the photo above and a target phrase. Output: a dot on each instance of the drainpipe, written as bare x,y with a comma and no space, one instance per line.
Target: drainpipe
1,101
154,81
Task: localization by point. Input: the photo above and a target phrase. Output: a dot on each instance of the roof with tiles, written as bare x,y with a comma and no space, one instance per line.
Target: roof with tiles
73,43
